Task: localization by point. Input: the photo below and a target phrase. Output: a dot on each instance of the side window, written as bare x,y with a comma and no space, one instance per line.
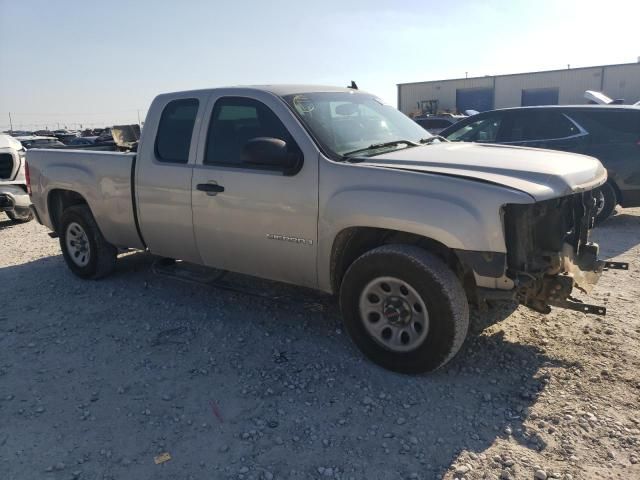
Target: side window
482,130
235,121
175,130
610,126
531,125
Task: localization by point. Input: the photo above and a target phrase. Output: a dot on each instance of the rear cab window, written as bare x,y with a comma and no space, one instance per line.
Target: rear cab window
173,138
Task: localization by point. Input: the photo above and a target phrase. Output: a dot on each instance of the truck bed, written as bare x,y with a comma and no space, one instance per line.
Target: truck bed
103,179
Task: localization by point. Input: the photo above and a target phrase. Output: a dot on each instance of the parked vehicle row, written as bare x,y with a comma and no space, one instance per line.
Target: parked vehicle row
58,138
610,133
330,188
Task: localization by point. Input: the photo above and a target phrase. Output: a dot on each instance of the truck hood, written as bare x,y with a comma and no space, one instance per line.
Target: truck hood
543,174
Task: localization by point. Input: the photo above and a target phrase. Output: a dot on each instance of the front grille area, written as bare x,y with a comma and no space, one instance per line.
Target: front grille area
536,231
6,165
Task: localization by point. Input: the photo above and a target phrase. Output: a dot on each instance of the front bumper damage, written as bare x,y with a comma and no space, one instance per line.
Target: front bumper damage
549,253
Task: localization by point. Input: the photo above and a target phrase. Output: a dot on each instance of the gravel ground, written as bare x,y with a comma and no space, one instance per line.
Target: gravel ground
98,378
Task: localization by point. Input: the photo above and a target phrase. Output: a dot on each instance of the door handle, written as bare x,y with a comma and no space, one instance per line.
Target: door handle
210,188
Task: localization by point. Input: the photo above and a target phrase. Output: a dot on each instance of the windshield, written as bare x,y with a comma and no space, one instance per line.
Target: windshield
348,122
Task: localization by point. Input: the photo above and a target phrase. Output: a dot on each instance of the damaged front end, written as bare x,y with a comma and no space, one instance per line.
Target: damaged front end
549,253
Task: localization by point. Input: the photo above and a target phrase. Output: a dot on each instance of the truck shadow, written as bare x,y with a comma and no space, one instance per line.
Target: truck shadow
287,388
6,223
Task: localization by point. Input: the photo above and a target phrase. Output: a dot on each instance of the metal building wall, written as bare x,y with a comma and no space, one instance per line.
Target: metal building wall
623,81
410,94
616,81
570,83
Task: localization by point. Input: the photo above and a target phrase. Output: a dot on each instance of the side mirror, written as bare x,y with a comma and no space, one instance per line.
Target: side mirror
270,153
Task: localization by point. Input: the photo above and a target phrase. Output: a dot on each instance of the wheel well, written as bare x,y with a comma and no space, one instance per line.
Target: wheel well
616,190
59,201
355,241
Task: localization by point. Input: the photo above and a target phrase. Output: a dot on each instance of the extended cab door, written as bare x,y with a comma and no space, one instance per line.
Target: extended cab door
164,168
255,219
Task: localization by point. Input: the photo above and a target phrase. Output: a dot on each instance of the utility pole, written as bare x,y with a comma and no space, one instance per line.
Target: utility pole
138,117
10,123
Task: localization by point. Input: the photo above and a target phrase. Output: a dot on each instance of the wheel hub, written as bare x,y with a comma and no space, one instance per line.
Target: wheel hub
394,314
396,311
78,245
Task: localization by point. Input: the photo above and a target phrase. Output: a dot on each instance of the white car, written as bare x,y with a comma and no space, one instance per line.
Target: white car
14,199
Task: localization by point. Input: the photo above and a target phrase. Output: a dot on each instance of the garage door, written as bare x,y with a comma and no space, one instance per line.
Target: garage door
480,99
539,96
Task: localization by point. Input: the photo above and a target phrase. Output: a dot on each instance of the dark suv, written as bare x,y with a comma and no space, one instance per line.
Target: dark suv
609,133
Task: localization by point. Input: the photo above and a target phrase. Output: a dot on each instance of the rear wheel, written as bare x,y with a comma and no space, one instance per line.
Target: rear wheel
404,308
20,215
606,202
85,250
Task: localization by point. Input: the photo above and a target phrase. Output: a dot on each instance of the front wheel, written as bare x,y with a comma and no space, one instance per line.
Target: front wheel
85,250
404,308
606,202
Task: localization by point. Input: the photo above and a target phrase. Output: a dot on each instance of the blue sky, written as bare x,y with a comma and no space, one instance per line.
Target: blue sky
100,62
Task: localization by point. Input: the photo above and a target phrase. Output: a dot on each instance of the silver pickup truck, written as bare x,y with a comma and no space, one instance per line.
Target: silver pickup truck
330,188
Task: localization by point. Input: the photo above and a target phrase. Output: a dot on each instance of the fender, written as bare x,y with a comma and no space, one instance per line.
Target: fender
459,213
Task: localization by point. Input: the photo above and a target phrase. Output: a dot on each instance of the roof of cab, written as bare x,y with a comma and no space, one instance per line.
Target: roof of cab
279,90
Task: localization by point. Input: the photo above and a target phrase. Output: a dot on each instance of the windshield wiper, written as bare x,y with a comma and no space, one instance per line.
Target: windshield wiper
427,141
376,146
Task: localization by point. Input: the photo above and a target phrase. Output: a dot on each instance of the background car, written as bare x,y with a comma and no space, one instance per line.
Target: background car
36,141
610,133
83,141
64,136
434,124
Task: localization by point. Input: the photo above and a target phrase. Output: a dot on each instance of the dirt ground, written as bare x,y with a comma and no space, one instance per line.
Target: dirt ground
98,378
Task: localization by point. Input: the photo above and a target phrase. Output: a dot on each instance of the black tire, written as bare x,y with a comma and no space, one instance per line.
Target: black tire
20,216
609,201
439,289
101,254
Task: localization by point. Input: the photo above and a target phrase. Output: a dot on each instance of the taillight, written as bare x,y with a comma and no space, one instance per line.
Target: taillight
27,177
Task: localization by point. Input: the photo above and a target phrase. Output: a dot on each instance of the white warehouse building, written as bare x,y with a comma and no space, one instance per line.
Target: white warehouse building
552,87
